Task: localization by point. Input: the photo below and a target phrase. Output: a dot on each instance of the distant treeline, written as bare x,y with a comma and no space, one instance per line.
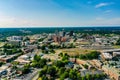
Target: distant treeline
4,32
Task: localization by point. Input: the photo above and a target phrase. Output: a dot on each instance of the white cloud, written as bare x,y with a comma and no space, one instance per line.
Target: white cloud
102,5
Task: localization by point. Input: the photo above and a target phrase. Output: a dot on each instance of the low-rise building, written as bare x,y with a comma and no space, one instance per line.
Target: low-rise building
8,58
112,71
24,59
15,38
107,56
97,63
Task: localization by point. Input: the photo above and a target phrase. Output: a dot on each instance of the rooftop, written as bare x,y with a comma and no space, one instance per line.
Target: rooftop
107,55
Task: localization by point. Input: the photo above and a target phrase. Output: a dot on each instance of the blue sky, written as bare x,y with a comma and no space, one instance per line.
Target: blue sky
28,13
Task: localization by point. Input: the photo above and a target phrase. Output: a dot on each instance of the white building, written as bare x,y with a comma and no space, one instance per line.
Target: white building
14,38
107,55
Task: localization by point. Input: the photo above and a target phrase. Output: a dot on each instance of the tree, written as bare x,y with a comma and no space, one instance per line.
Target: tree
64,75
52,51
15,63
51,70
65,57
83,78
42,72
26,69
90,56
43,47
44,78
37,58
59,64
118,42
38,62
73,74
1,63
41,39
42,62
61,54
78,76
87,76
51,46
26,39
97,76
86,66
61,70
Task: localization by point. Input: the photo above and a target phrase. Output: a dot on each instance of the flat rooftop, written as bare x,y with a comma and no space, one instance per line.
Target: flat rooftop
107,55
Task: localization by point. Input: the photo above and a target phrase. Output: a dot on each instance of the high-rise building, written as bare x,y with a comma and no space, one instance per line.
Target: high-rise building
71,33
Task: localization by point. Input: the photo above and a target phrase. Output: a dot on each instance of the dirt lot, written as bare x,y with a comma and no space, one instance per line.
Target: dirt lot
73,51
1,44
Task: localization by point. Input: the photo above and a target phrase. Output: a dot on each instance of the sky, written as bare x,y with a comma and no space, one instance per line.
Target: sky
67,13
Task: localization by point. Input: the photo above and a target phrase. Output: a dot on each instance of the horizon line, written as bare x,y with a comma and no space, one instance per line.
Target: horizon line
61,26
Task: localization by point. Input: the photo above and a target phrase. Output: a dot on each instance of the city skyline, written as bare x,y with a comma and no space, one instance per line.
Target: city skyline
47,13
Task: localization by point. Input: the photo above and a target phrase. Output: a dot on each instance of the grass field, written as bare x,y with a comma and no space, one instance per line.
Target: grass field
73,51
116,47
84,43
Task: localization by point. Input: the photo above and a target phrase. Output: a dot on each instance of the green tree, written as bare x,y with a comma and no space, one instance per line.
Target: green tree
83,78
64,75
87,76
59,64
61,54
37,58
44,78
73,74
26,68
51,70
42,73
118,42
61,71
78,76
1,63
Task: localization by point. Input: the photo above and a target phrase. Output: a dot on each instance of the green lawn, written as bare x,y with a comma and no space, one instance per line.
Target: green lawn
116,46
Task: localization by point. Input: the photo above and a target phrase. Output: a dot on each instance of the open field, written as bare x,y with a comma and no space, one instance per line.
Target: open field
116,47
84,43
1,44
73,51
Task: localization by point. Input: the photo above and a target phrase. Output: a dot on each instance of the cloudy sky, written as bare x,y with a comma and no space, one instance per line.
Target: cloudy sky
47,13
